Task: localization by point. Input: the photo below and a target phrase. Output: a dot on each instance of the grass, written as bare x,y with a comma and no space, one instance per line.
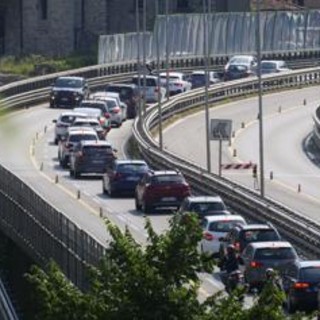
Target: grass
36,64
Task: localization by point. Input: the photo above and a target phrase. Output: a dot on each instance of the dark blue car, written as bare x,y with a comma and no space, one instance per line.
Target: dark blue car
122,176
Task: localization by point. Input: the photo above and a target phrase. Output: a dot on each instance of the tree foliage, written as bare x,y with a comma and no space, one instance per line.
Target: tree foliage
158,281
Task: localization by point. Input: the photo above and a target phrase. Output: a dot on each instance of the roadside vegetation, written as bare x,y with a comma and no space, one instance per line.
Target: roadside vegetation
37,65
158,281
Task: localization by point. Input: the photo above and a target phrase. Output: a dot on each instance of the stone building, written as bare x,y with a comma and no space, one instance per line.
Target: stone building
59,27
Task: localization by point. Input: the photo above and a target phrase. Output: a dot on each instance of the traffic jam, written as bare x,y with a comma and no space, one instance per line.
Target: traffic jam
247,253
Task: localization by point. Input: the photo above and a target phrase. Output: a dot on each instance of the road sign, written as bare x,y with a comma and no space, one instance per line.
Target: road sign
220,129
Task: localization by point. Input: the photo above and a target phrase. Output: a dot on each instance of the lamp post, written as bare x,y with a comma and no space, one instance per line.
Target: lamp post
167,49
144,62
206,74
138,56
158,73
261,147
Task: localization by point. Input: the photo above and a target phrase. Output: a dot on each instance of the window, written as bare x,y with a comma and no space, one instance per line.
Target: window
44,9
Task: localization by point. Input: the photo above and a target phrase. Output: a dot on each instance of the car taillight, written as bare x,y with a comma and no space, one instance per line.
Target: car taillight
106,115
117,176
208,236
80,154
178,84
156,89
255,264
116,110
301,285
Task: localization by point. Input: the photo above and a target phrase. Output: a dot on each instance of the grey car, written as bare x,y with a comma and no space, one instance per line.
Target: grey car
257,257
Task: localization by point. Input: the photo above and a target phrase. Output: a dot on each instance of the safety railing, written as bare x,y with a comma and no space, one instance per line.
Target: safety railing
7,310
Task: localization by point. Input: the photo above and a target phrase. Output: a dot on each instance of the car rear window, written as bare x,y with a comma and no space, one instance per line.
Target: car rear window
260,235
92,105
207,207
67,119
274,254
128,168
268,65
311,274
124,92
80,137
224,226
237,68
111,104
97,150
167,179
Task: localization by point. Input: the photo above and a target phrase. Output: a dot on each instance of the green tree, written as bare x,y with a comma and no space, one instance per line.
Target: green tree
158,281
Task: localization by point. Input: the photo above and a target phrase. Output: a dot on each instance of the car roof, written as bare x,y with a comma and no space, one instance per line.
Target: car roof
257,227
71,77
71,113
90,110
87,119
122,85
275,61
80,130
243,56
270,244
127,161
224,218
309,263
172,74
165,172
204,199
90,102
94,143
147,76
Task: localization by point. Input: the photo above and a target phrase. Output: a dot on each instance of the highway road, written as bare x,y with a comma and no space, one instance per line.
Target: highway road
27,138
288,152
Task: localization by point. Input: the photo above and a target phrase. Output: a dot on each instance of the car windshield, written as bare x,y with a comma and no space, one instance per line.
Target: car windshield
207,207
68,83
274,254
132,168
223,226
167,179
268,65
80,137
237,68
311,274
260,235
67,119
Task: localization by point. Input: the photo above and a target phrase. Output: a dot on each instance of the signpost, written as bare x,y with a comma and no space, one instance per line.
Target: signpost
220,129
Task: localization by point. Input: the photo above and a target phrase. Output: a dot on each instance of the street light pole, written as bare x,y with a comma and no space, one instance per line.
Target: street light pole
167,49
206,73
158,73
261,148
144,62
138,57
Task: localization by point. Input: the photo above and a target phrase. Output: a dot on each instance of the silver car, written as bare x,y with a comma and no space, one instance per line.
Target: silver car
257,257
63,122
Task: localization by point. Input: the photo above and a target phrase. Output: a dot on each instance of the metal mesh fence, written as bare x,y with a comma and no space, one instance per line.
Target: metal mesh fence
229,33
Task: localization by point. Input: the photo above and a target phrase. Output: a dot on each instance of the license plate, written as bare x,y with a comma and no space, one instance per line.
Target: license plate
97,161
132,178
64,99
168,199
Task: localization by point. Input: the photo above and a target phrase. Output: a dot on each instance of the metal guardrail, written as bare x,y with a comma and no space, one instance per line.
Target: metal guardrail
45,233
302,231
316,130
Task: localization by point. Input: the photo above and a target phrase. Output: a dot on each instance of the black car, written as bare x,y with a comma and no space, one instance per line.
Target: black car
68,92
241,235
300,282
91,157
237,71
129,94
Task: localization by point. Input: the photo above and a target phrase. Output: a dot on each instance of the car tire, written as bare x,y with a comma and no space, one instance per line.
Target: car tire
146,208
138,205
56,141
291,308
104,190
51,105
71,172
112,193
63,163
76,174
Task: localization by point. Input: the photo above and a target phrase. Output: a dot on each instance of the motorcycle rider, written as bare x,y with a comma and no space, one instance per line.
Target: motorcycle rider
229,263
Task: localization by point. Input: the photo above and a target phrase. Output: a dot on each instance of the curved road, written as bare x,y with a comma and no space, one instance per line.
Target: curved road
287,147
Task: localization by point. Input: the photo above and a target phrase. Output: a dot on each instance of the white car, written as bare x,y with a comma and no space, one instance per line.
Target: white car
63,122
244,60
216,227
273,66
152,88
115,111
122,105
178,82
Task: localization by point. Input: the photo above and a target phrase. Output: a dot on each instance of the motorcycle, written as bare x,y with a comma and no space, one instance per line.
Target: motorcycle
235,280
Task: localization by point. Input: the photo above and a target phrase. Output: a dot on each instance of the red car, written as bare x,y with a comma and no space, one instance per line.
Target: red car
161,189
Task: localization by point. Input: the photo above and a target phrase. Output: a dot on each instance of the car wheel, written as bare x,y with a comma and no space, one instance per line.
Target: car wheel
71,172
112,193
104,190
63,163
52,105
138,205
146,208
291,308
76,174
56,141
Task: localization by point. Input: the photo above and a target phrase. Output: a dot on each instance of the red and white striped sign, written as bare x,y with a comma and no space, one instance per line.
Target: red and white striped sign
238,166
